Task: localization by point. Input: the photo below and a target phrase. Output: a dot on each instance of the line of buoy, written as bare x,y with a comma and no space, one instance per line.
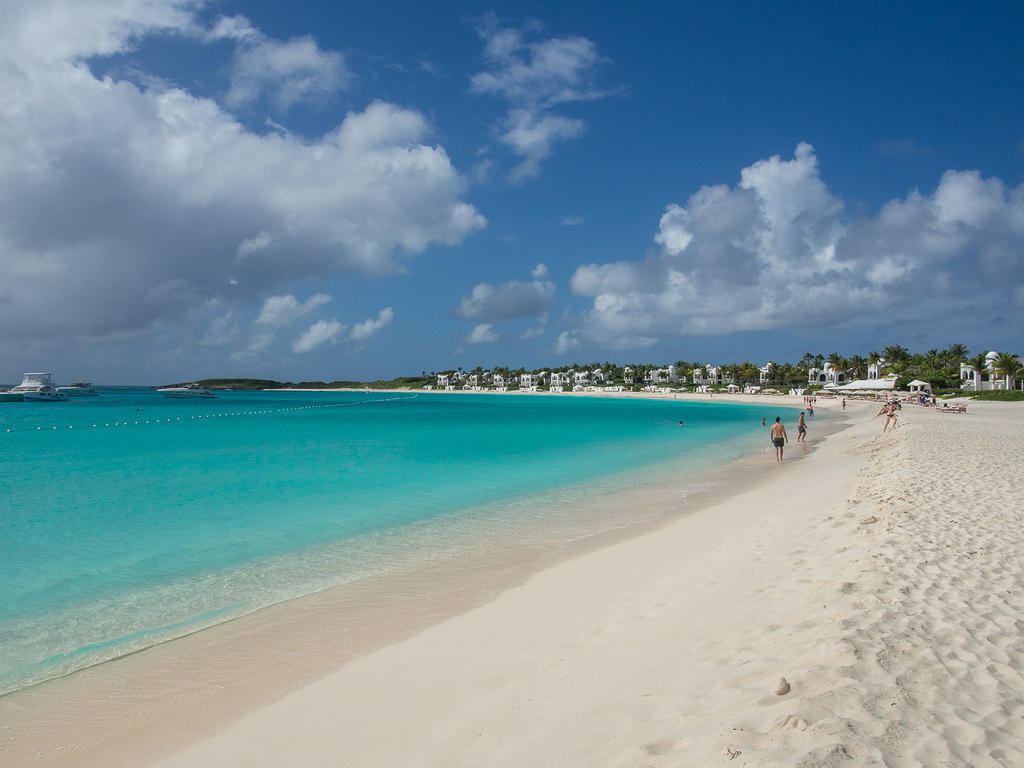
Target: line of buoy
236,413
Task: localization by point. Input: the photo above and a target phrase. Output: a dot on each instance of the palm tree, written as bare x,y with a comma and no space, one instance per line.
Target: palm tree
980,365
1007,366
896,354
858,366
1018,374
956,354
819,360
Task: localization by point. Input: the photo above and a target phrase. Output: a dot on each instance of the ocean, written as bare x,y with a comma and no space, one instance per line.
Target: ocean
129,519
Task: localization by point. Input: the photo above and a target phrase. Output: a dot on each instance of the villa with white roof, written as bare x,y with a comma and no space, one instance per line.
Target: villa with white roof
711,375
875,369
989,380
826,375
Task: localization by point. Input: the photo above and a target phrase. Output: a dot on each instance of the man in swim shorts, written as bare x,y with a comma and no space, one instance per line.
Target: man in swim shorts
779,438
801,429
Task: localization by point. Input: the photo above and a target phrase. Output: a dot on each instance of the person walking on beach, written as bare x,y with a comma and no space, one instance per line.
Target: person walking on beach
844,405
801,429
779,438
890,415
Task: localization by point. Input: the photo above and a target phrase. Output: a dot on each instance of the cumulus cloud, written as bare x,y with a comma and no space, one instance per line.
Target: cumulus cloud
128,208
283,310
534,77
481,334
777,250
284,71
367,328
536,330
566,342
511,300
572,221
320,332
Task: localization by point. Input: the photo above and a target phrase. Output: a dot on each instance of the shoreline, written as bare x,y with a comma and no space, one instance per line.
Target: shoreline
373,620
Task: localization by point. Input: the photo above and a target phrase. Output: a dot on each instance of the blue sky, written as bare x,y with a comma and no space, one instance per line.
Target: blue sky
323,190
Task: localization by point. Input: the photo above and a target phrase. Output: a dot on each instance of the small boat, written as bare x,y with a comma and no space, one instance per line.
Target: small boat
6,396
194,389
39,388
79,389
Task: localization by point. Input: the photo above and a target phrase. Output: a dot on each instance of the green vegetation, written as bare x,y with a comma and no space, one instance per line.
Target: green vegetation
1003,396
243,384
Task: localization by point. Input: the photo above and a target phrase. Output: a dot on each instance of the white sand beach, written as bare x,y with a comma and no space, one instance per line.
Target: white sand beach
880,575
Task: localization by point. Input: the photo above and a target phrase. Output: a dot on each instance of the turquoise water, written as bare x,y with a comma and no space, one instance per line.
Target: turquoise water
130,518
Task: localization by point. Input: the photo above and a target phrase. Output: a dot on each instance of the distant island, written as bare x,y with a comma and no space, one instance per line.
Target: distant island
403,382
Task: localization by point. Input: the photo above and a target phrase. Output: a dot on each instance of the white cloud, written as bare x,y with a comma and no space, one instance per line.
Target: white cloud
566,342
539,272
129,209
234,28
572,221
287,72
531,136
536,330
320,332
481,334
534,77
538,74
367,328
510,300
52,31
777,251
283,310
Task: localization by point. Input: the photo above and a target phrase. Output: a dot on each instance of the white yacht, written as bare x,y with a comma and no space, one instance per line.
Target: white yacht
38,387
7,396
79,389
186,390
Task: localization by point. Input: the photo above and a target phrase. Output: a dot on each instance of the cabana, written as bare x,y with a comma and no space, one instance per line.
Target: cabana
918,387
869,385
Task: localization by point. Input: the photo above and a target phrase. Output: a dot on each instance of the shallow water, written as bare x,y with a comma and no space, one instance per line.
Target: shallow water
129,518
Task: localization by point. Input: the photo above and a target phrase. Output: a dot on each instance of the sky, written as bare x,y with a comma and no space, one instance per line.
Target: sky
323,190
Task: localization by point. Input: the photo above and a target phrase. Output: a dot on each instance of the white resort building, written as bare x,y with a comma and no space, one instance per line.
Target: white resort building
711,375
826,375
969,378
